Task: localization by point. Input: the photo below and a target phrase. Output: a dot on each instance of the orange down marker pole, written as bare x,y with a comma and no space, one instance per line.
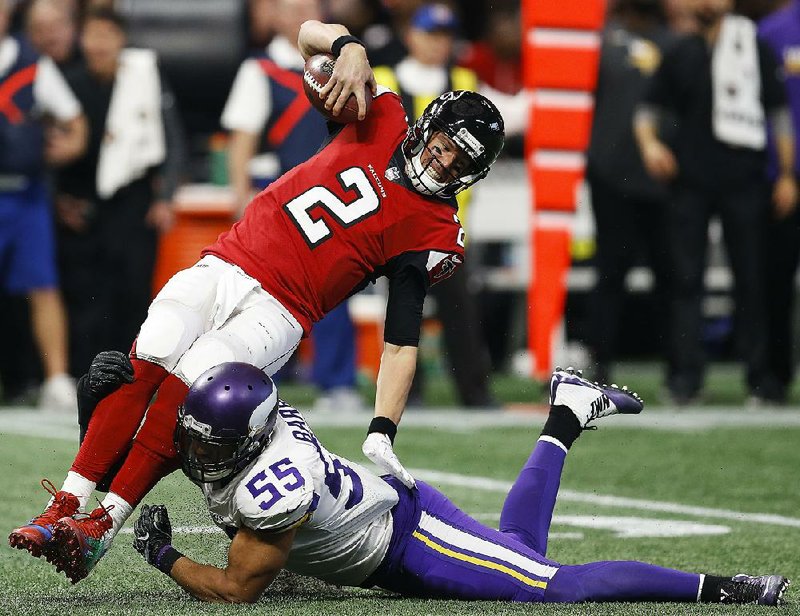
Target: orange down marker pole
561,51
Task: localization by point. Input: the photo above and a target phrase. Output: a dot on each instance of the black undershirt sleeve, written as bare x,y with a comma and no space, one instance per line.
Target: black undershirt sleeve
407,290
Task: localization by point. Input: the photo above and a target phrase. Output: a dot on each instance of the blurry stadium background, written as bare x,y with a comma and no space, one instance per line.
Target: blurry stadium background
528,329
708,488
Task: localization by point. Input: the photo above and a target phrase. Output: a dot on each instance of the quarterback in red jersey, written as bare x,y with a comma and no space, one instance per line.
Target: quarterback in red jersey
376,200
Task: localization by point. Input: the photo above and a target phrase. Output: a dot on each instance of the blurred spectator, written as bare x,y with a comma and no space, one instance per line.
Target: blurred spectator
261,16
388,45
781,31
420,77
114,201
758,9
681,16
260,113
370,21
40,122
629,206
20,371
496,58
721,83
52,30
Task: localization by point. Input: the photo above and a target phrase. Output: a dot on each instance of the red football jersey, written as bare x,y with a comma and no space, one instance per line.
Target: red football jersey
331,224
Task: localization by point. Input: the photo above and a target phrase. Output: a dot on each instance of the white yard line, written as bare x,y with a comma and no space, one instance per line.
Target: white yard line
497,485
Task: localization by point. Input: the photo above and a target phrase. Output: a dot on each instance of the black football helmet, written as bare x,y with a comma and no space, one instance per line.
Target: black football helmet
468,119
225,421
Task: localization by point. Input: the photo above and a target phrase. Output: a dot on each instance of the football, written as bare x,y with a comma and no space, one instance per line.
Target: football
317,72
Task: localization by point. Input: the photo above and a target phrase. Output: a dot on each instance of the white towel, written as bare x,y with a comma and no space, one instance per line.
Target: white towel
737,111
134,131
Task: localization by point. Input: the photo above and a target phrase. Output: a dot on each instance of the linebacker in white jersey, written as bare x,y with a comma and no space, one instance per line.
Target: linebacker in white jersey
289,503
339,509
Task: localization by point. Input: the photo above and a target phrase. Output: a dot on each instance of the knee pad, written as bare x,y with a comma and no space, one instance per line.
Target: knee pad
211,349
167,333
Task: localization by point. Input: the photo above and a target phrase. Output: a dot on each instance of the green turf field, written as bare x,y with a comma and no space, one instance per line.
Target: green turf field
697,497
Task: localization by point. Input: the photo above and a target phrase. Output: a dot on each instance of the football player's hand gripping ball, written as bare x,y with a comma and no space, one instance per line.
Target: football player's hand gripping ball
378,448
153,534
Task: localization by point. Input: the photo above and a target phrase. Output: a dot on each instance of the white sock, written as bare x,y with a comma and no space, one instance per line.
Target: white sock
120,512
79,486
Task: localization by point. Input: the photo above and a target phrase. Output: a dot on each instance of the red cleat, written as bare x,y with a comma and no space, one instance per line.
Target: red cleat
79,542
37,535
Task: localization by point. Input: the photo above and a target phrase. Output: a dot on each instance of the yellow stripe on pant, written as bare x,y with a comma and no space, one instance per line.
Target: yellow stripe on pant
478,561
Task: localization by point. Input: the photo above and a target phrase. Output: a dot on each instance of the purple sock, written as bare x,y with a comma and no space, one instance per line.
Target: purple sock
621,581
529,505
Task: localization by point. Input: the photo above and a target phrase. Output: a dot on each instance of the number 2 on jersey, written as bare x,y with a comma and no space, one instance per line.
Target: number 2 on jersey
347,214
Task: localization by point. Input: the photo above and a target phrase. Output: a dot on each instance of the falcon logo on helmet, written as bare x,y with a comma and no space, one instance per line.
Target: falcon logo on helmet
470,121
225,422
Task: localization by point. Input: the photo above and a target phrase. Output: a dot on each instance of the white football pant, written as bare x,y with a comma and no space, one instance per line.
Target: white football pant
213,313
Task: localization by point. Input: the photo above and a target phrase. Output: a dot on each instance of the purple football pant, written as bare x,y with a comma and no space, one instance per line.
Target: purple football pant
438,551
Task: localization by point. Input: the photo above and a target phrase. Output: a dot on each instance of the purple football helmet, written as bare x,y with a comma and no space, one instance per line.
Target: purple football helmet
225,421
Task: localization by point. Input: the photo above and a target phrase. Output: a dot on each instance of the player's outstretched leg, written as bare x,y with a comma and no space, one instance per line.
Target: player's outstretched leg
115,421
760,590
635,581
36,535
81,541
574,402
111,429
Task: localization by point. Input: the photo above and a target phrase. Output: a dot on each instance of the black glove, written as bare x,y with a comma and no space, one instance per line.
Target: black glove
153,538
108,371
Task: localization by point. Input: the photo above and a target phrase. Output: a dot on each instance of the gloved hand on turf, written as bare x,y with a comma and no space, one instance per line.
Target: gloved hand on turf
152,534
378,448
108,371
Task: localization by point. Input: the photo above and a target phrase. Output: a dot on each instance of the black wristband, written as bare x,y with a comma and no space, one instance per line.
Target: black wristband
384,425
343,40
166,559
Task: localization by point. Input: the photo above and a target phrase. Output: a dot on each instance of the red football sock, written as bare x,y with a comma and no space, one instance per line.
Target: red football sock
152,455
115,421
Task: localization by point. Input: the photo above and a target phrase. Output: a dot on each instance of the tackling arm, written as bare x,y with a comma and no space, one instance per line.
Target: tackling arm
254,561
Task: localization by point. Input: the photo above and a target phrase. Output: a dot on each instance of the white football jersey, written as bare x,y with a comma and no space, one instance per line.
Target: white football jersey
340,509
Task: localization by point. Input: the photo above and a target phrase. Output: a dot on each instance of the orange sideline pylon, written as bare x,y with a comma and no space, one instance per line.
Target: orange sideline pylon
560,56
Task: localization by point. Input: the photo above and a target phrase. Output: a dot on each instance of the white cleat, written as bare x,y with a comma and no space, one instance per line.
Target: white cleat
590,401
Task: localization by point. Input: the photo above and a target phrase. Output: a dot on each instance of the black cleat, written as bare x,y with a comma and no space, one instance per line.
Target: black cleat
758,590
